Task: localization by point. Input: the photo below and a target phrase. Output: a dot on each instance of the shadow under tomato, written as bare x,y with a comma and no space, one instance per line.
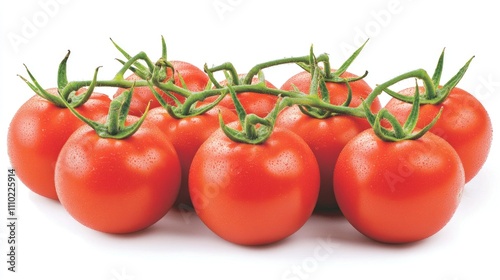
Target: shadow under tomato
332,226
181,225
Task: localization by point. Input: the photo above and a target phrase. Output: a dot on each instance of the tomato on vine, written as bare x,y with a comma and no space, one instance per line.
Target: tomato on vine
326,137
42,125
118,177
464,123
325,132
398,185
187,131
253,185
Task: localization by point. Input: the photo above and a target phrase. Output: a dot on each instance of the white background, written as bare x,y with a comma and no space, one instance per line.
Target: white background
404,35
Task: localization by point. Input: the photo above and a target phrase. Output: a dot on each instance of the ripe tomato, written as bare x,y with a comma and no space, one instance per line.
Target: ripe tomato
194,77
399,191
259,104
118,186
187,135
37,133
326,138
338,91
254,194
464,123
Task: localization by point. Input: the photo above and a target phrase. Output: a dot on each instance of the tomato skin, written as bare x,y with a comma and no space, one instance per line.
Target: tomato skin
118,186
260,104
398,192
464,123
326,138
187,135
194,77
37,133
338,91
254,194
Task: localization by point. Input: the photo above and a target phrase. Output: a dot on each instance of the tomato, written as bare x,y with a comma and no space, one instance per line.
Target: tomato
399,191
187,135
37,133
464,123
194,78
254,194
338,91
326,138
259,104
118,186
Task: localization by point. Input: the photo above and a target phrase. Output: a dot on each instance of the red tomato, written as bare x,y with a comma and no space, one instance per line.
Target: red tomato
254,194
194,77
259,104
37,133
326,138
187,135
464,123
118,186
400,191
338,91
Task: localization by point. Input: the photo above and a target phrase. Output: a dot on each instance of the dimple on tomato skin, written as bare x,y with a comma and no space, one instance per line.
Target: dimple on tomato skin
254,194
398,192
37,133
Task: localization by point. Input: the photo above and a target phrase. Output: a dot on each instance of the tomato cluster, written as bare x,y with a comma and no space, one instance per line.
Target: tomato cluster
253,160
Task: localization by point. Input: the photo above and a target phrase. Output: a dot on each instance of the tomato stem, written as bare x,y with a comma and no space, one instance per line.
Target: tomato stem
444,91
62,78
399,132
227,66
418,73
341,70
40,91
255,130
114,127
318,82
436,77
141,70
259,67
434,92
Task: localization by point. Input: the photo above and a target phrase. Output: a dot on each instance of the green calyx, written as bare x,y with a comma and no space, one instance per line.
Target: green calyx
132,63
180,110
189,107
115,127
434,92
318,84
319,106
155,77
66,98
399,132
255,130
327,72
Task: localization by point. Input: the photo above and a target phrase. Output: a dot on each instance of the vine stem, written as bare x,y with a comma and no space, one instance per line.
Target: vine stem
300,59
418,73
193,97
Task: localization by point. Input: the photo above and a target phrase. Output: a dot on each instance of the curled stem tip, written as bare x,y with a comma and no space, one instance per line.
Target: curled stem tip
399,132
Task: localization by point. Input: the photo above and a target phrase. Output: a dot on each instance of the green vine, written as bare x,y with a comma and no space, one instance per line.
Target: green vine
255,130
